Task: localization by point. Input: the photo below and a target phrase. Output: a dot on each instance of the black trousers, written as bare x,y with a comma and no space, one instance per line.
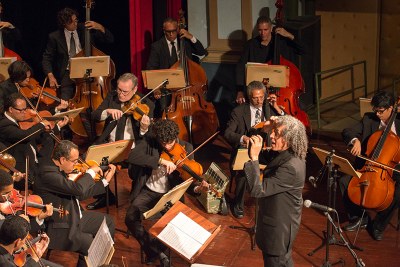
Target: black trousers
382,218
278,261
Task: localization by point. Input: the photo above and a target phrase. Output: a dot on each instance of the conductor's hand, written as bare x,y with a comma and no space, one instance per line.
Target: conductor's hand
95,26
109,174
256,144
356,149
240,99
186,34
246,141
116,114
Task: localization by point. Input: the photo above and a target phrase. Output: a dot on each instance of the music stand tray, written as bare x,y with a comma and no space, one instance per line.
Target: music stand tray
98,66
152,78
5,62
69,113
277,75
115,151
343,164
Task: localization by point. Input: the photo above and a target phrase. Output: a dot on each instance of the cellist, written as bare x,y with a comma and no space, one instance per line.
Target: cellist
357,136
120,126
260,49
165,52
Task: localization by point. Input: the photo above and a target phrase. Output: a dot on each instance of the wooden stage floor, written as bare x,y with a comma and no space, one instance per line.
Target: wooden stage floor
232,247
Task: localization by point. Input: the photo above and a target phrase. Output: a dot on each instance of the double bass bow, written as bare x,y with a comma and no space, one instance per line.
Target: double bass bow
196,118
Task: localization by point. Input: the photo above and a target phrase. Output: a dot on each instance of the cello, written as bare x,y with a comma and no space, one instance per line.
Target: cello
90,91
196,118
375,188
289,97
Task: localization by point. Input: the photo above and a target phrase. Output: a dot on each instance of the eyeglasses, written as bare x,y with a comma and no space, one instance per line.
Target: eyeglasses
171,31
75,161
379,111
119,91
20,109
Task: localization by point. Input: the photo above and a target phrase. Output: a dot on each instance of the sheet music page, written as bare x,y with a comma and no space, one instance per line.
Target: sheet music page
184,235
101,246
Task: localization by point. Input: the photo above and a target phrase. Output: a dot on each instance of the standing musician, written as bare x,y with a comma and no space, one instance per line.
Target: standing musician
66,43
280,192
243,118
357,136
76,231
260,49
10,133
154,176
120,126
20,73
165,52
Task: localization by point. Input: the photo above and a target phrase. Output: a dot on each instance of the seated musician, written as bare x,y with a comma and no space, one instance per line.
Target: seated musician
11,132
20,73
164,53
14,232
76,231
239,127
154,176
357,136
120,126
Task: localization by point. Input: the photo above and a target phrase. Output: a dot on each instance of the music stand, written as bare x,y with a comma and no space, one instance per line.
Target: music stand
5,62
242,156
277,75
365,105
334,164
153,78
69,113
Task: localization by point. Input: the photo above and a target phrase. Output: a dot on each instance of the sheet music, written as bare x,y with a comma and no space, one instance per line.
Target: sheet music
101,246
184,235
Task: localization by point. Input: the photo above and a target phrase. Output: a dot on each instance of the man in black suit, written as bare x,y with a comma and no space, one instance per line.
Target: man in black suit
279,194
357,136
66,43
120,126
154,176
165,52
10,133
239,127
76,231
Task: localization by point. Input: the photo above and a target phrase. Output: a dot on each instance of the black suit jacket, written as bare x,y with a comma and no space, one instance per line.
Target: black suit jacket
56,56
160,57
363,130
54,187
280,200
111,101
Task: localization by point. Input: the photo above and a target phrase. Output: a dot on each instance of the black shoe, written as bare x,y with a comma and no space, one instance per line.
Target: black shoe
353,226
376,234
237,212
100,203
164,261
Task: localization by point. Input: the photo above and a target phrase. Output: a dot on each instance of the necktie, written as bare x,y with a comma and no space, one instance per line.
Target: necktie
72,46
258,116
174,55
120,131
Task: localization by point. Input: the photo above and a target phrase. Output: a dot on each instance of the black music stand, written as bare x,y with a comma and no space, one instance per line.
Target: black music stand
87,68
332,163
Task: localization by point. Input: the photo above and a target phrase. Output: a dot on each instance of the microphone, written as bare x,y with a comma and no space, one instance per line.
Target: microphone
309,204
313,181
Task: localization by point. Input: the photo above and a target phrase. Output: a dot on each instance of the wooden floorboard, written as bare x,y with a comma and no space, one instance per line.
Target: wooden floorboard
232,247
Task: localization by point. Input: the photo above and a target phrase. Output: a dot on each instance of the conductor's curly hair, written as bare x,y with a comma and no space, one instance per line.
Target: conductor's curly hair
165,131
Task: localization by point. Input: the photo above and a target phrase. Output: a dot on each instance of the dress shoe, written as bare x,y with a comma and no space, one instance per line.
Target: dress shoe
353,226
237,212
377,234
100,203
164,261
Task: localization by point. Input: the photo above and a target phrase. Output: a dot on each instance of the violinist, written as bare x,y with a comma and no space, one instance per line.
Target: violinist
10,133
120,126
260,49
20,73
76,231
165,52
239,129
154,176
65,43
357,137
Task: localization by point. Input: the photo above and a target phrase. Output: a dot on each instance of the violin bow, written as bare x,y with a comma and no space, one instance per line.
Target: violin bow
16,143
29,102
41,93
197,148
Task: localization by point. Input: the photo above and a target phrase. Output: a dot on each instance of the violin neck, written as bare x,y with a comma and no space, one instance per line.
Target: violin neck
192,173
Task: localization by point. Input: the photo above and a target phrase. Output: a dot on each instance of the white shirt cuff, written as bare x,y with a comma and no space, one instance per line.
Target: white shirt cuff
91,172
39,222
352,141
193,40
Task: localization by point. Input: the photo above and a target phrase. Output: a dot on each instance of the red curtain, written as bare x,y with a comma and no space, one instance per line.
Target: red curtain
141,32
173,7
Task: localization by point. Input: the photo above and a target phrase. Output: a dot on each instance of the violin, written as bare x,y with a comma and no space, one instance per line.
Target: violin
21,254
31,119
16,202
7,162
32,90
81,168
136,108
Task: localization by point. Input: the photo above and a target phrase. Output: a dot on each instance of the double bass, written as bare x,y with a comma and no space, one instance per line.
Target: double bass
196,118
288,97
90,91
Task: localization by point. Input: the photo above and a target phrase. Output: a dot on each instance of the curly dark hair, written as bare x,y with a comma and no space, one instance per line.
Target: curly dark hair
165,131
14,227
64,16
382,99
5,179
